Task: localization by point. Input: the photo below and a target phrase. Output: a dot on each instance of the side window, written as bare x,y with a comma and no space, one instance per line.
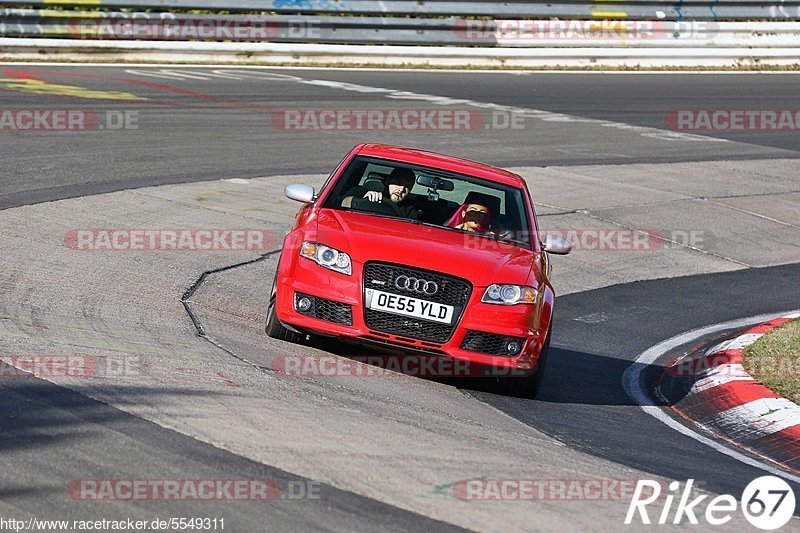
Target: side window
330,176
349,179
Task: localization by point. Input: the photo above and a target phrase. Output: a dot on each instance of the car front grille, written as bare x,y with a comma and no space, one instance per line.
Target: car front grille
327,310
490,343
451,291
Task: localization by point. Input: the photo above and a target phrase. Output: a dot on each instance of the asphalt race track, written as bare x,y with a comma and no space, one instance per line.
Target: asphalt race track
202,149
236,108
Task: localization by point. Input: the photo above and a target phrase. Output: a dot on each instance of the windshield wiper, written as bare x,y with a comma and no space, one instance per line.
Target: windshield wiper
382,215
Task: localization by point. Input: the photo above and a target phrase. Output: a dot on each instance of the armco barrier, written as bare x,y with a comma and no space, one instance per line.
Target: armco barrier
643,9
449,31
410,32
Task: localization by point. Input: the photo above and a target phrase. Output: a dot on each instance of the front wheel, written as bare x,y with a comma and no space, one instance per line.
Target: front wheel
274,328
526,386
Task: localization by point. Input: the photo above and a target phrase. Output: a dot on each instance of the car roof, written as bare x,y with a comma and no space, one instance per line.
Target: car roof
445,162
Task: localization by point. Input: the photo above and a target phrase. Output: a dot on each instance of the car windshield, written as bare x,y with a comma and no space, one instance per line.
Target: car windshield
434,197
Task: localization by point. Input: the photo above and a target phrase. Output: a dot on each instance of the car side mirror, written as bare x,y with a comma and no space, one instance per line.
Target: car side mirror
555,244
300,193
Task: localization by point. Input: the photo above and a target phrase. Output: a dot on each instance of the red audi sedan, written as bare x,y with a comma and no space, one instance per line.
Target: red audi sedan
422,253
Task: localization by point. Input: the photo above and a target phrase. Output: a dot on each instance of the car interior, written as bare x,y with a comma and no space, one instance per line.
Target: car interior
432,207
436,208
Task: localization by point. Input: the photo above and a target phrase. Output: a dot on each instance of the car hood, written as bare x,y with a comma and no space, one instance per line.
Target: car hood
372,238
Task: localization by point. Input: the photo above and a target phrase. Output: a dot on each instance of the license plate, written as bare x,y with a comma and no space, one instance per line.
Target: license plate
408,306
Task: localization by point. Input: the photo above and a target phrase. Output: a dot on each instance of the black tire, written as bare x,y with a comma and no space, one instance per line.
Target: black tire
526,386
274,328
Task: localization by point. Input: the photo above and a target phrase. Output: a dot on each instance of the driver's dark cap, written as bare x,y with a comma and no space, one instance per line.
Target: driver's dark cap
403,176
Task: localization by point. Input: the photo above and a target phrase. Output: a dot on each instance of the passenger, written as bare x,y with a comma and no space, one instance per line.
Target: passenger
388,198
471,217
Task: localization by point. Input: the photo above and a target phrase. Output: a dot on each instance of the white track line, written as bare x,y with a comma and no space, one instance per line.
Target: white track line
632,381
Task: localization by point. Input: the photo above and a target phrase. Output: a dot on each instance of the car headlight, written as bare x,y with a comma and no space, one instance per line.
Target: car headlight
509,295
327,257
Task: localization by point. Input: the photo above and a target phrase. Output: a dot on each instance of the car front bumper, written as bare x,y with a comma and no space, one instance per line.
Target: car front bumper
524,322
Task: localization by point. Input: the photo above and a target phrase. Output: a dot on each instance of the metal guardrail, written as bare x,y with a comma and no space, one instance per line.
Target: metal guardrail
420,32
278,28
391,30
642,9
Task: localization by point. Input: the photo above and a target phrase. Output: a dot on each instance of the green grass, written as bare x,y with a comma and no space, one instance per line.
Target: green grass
774,360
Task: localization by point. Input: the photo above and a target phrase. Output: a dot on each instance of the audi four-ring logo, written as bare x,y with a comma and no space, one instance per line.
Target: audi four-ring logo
420,286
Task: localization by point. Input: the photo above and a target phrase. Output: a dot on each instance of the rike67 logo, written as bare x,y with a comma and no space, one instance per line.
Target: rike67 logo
767,502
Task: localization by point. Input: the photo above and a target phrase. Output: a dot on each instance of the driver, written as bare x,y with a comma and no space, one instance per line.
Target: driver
387,199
